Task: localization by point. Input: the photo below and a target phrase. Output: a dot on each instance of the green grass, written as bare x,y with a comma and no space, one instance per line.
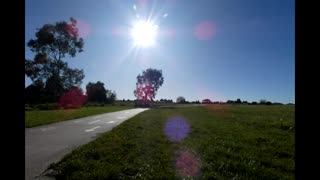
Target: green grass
228,141
37,118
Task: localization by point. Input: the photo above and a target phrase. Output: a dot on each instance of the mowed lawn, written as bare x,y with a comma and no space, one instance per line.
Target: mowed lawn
205,142
37,118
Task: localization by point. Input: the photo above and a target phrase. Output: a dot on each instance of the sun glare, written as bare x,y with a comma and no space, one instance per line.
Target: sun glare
144,33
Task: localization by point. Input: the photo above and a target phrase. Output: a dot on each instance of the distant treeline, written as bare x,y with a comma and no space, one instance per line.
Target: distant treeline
207,101
261,102
238,101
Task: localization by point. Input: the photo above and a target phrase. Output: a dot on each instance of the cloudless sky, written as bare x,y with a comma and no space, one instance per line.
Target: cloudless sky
248,55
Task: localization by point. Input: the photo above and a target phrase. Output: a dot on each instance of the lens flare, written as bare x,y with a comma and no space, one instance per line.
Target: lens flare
176,129
187,164
83,29
205,30
144,33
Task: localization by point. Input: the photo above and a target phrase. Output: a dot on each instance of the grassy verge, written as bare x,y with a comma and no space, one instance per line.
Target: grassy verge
223,142
37,118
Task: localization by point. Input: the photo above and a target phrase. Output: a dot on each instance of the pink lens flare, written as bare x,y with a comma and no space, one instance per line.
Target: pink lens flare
205,30
84,28
187,164
176,129
142,3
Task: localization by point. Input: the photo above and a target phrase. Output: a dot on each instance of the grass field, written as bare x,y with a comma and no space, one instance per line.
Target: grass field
208,142
37,118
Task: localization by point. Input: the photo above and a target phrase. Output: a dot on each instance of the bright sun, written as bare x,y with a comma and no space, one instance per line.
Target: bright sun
144,33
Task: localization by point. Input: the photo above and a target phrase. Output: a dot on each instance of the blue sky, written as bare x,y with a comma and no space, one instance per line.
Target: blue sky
248,55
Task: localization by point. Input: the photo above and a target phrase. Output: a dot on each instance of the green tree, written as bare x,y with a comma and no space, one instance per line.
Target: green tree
147,85
181,99
238,101
34,93
53,89
96,92
111,96
54,42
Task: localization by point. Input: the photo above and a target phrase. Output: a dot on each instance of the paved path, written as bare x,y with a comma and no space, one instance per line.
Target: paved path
49,143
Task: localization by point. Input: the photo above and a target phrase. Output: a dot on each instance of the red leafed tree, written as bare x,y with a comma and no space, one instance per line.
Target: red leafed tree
144,93
73,98
147,85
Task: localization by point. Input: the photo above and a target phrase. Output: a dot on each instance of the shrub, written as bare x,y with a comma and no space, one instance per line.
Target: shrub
52,106
141,104
268,103
47,106
263,101
73,98
28,108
